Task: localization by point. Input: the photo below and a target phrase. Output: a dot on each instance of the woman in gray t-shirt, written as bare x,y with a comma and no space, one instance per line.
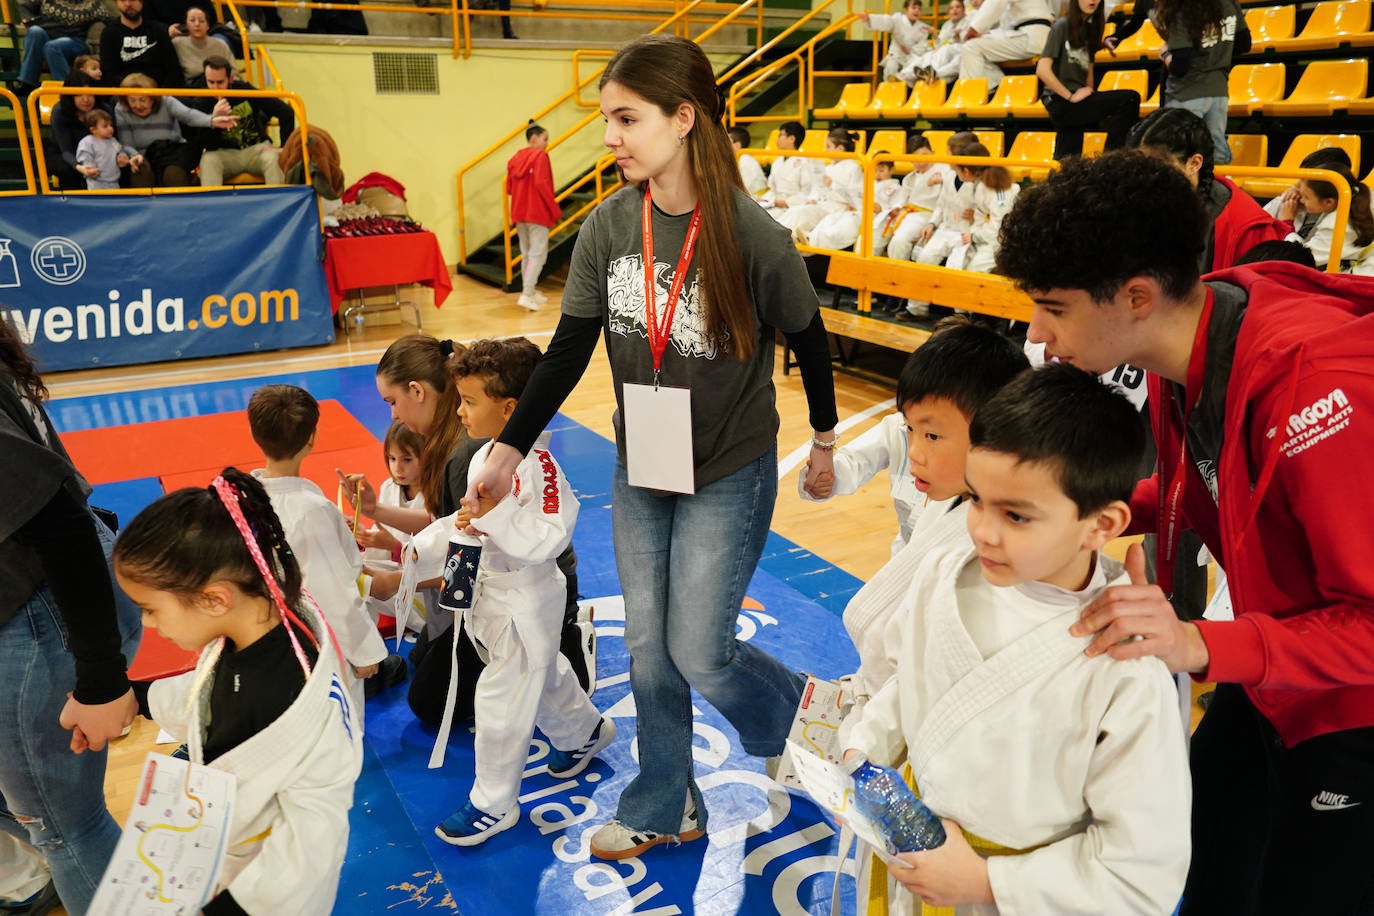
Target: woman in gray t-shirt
1065,69
684,558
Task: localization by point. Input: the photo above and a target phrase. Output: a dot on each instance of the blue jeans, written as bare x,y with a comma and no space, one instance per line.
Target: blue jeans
684,564
58,52
49,797
1212,110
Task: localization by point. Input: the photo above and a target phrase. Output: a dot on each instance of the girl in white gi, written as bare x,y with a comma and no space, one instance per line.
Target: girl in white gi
690,517
952,217
942,61
993,194
921,188
835,199
266,702
382,544
889,198
791,178
910,36
517,608
1063,779
1310,205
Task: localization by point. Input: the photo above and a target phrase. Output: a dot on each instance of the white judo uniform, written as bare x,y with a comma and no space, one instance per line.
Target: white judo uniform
791,180
832,211
989,208
882,446
949,221
1318,233
331,568
908,39
1014,733
422,604
751,173
516,622
289,828
923,190
943,58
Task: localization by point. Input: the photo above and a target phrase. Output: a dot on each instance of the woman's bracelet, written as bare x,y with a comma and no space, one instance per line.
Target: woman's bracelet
825,446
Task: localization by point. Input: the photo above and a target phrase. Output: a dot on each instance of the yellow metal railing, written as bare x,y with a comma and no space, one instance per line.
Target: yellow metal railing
23,136
297,106
573,98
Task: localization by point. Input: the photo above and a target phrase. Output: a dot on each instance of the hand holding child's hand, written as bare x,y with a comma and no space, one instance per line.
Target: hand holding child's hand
385,583
950,875
819,485
464,517
92,726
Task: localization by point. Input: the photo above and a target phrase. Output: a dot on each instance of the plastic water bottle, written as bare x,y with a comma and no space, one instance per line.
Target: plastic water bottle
901,819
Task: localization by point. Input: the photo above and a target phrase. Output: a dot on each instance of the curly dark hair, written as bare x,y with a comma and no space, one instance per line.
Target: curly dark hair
506,364
1098,222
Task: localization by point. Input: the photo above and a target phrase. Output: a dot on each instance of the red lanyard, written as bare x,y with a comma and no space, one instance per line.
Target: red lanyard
660,332
1170,505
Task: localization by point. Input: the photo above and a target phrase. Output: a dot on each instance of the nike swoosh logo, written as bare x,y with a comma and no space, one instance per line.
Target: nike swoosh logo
1324,806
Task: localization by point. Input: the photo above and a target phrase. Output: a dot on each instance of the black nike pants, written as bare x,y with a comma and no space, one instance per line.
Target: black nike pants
1281,831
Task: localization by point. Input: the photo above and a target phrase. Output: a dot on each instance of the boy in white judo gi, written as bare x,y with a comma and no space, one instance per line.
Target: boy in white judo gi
516,616
910,36
1063,779
283,420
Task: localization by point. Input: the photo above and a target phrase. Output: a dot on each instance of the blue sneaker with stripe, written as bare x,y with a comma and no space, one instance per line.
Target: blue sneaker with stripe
564,764
469,825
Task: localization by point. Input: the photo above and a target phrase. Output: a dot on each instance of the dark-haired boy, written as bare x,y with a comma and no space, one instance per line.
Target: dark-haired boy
1260,397
517,613
284,420
1068,774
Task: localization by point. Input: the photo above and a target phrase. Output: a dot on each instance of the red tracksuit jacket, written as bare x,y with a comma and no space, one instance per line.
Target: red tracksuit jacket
1297,542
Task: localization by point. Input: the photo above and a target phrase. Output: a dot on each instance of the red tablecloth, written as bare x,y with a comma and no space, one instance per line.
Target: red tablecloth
384,260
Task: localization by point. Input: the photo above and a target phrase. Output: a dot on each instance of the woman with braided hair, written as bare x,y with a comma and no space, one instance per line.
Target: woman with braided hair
66,636
212,571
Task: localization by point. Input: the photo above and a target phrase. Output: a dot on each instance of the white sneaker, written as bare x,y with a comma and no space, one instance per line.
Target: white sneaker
539,297
587,639
528,302
616,841
917,309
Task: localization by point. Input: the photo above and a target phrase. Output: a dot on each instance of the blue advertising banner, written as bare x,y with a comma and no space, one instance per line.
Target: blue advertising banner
110,281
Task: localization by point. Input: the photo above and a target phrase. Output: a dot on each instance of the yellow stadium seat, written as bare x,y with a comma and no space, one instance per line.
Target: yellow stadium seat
1031,146
1143,44
860,140
1302,146
939,141
1361,107
965,98
887,97
1093,143
1151,105
814,141
1252,85
1249,149
890,141
1137,78
47,102
1270,24
1325,87
923,96
1331,25
1015,97
992,139
853,96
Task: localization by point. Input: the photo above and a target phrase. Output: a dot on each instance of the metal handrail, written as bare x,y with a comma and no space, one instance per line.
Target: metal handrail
290,98
29,176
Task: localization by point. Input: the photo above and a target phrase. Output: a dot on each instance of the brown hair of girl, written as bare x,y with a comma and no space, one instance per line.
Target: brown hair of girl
668,71
1361,219
422,358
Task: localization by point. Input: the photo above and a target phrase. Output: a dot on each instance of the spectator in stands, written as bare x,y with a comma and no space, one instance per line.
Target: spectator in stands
55,34
993,194
1065,69
889,199
1311,204
89,64
942,61
149,129
132,44
790,178
246,146
952,218
1202,37
750,172
1237,223
838,192
534,209
198,45
922,187
1004,30
69,127
98,155
910,36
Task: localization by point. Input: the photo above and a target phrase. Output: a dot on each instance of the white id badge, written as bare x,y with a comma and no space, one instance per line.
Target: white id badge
658,438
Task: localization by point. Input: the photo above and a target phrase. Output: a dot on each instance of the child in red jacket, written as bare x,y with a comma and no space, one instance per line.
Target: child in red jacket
529,181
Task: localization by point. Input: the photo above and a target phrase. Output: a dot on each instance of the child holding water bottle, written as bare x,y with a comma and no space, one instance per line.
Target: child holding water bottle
1063,778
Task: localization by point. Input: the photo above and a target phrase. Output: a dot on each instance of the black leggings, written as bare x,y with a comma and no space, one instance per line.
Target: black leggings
1113,111
1278,830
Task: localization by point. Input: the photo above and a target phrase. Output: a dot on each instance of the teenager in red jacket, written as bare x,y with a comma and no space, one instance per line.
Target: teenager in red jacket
529,182
1262,398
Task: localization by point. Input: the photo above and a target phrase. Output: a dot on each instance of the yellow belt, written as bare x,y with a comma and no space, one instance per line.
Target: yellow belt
895,218
877,880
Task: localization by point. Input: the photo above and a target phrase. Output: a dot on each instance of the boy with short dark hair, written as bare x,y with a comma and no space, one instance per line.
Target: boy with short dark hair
517,612
284,420
1009,730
